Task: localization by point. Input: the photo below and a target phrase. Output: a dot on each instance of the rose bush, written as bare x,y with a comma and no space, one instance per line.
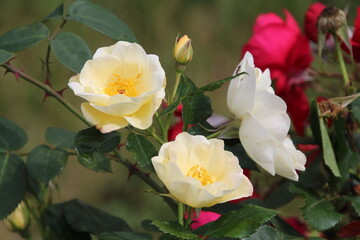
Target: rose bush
199,172
122,84
264,122
280,46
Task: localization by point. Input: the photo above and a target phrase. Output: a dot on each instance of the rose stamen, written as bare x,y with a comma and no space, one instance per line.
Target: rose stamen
120,85
201,174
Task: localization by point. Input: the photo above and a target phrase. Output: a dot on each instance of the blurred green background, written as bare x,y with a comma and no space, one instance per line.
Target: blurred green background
218,30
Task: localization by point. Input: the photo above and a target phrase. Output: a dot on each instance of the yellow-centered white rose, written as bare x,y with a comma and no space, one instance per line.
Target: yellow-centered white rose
199,172
122,84
264,121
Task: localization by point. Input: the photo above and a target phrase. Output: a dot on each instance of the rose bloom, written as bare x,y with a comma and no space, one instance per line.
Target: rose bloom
204,218
279,45
264,122
122,84
311,18
355,40
199,172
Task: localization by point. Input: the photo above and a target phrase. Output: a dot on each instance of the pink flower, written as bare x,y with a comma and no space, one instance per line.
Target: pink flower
280,46
355,40
311,19
203,218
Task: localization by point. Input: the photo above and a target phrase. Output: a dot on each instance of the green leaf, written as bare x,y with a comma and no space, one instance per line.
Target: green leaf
45,163
12,137
95,161
101,20
286,229
91,140
85,218
328,151
186,87
265,233
23,37
314,121
355,110
59,137
175,229
12,183
279,197
91,145
321,42
238,224
171,108
318,212
201,108
58,12
355,202
123,236
71,50
187,115
215,85
5,56
54,219
142,149
343,33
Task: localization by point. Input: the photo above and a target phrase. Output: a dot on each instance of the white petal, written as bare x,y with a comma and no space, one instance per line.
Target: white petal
270,110
104,122
242,100
258,143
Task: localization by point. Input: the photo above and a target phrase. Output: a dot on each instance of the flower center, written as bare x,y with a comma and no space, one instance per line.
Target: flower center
200,174
120,85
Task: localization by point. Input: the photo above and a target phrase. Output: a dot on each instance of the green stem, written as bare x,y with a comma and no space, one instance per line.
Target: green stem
177,81
47,89
189,217
214,135
341,61
181,213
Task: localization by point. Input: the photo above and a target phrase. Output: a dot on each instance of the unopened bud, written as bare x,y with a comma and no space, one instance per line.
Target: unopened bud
19,220
183,51
331,19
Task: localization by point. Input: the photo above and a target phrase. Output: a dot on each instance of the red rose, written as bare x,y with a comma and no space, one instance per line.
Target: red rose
311,19
355,40
203,218
280,46
175,129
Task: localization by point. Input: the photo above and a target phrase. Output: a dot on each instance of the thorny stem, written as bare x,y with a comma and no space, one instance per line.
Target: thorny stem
145,178
47,89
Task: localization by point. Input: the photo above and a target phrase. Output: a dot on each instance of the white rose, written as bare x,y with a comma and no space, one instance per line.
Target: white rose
199,172
264,121
122,84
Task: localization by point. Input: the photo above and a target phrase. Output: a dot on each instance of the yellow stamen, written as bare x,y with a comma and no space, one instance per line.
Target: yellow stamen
200,174
120,85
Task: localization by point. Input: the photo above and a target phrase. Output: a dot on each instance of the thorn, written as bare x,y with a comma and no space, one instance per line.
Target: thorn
60,92
8,61
7,71
17,75
119,146
46,95
132,169
47,82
